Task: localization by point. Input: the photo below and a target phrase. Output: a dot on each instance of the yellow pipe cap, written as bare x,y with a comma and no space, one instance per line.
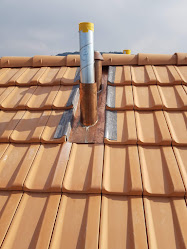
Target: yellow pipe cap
127,51
85,26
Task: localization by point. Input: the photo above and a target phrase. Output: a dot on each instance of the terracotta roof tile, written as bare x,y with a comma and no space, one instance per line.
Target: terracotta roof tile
83,230
15,164
30,127
146,98
50,163
182,71
120,127
119,98
8,123
181,156
122,223
160,173
5,93
143,75
185,88
2,89
84,171
43,98
17,98
30,76
65,97
51,126
121,170
51,76
120,75
167,75
10,76
9,202
173,97
166,220
152,128
34,230
71,76
177,122
3,148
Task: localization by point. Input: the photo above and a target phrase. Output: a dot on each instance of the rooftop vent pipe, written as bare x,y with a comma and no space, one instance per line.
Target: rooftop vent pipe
88,87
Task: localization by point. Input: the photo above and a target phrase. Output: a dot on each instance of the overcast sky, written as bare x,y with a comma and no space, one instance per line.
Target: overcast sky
49,27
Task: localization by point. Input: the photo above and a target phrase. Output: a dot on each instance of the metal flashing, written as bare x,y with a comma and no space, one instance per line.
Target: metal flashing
111,92
111,74
111,125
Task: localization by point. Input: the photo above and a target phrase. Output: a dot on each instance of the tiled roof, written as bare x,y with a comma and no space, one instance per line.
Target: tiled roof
60,187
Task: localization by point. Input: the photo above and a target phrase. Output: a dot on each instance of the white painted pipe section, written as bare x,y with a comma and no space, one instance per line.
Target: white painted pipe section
86,38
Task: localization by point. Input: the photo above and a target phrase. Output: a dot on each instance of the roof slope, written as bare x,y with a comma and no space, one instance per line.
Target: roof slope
129,191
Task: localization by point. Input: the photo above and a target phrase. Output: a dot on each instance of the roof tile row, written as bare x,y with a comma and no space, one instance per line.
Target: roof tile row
39,76
146,98
36,98
147,75
31,126
153,127
122,222
81,170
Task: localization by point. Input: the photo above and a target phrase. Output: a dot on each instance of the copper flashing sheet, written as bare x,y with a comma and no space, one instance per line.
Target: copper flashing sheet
152,128
122,223
30,127
160,172
84,170
167,75
50,163
66,98
71,76
173,97
58,127
121,175
147,98
18,98
120,75
143,75
177,122
181,156
166,220
15,164
182,71
9,121
9,202
77,224
120,127
119,98
42,98
30,76
33,223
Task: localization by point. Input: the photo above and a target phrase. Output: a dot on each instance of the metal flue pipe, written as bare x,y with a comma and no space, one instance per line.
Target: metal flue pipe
88,87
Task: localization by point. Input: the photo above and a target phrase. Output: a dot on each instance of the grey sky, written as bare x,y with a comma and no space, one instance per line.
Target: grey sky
48,27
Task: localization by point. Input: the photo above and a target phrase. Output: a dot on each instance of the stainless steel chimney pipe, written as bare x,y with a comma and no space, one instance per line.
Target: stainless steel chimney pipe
88,87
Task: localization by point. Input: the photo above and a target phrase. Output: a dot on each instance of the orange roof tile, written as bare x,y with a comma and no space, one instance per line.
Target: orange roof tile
166,220
152,128
34,230
50,162
84,170
143,75
82,231
160,173
146,98
122,223
121,173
